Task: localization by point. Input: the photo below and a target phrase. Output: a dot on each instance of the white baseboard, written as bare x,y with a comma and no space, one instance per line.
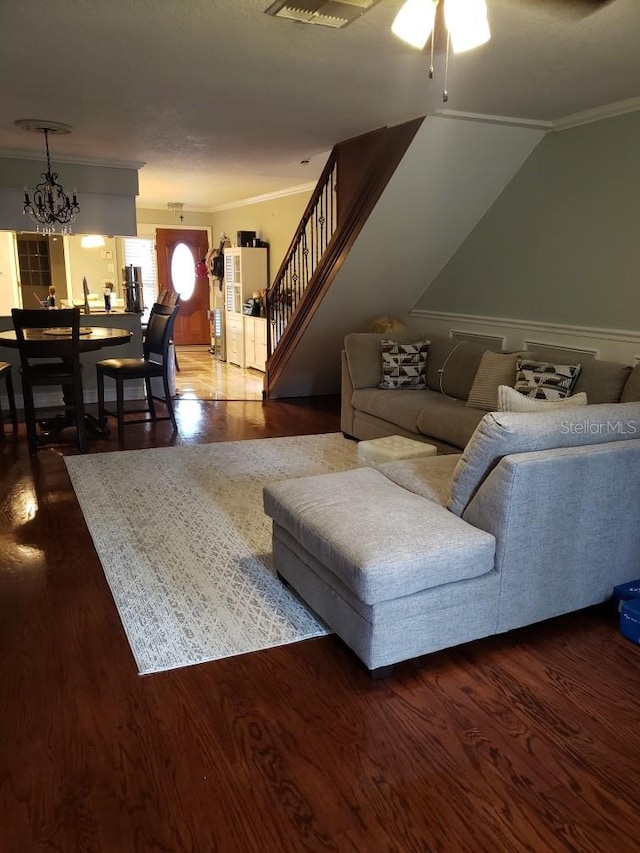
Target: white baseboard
621,345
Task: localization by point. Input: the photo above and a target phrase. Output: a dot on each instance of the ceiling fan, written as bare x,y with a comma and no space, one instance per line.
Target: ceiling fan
572,8
464,23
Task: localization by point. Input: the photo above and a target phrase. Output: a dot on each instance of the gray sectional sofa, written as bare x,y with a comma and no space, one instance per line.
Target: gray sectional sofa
440,414
539,516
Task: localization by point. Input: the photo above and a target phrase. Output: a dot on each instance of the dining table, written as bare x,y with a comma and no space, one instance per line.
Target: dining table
92,338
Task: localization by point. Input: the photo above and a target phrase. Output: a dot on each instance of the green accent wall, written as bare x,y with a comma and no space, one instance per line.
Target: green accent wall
561,243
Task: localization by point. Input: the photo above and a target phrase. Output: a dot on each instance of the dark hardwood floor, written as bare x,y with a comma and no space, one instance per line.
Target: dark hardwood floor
523,742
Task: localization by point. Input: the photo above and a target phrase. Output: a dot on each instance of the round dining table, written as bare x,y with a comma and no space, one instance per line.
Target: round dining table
92,338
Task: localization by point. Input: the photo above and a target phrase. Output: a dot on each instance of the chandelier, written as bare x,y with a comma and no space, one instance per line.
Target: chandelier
466,22
176,207
51,208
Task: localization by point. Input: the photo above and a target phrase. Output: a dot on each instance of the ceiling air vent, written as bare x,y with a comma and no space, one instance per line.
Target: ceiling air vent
326,13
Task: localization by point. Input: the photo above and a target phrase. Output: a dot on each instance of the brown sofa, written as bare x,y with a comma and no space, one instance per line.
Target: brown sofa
440,414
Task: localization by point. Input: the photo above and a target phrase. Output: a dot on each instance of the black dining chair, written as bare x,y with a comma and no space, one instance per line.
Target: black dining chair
154,363
5,373
49,348
168,299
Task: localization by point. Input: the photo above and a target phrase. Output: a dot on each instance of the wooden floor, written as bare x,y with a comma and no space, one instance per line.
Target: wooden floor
523,742
203,377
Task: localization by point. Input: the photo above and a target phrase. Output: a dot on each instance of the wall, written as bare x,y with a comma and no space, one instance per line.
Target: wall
91,263
274,221
57,264
450,176
167,219
561,242
106,195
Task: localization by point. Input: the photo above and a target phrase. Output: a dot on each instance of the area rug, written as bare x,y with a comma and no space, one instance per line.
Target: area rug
186,547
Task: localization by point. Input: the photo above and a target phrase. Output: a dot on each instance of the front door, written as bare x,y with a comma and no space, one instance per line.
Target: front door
178,253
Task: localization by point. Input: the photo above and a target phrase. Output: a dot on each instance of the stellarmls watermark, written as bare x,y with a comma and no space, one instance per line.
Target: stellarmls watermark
587,427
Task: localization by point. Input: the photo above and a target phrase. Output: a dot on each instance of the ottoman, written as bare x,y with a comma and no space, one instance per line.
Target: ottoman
391,448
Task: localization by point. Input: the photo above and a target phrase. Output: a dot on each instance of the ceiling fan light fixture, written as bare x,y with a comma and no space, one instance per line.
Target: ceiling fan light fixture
414,22
467,22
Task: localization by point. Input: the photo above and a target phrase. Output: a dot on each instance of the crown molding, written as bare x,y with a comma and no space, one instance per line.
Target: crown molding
295,190
512,121
9,154
619,108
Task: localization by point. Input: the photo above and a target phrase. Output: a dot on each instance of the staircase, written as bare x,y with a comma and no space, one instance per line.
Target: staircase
351,183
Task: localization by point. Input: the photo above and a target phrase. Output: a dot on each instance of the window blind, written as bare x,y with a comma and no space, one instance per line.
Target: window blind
142,253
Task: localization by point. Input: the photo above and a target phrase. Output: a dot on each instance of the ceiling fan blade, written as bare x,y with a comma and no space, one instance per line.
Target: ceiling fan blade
570,8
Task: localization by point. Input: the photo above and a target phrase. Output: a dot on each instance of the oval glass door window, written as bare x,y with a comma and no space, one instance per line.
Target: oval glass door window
183,271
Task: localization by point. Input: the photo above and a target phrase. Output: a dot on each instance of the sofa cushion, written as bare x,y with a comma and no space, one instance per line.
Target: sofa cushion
452,366
510,400
403,364
430,477
602,381
401,408
545,381
631,390
495,369
501,433
382,541
448,420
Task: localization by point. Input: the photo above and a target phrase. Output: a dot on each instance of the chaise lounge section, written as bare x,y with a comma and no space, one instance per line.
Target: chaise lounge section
538,517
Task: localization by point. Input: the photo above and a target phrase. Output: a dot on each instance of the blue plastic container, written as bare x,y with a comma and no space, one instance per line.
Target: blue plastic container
630,620
625,592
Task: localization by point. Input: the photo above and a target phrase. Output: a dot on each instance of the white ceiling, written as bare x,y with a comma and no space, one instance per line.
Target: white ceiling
221,102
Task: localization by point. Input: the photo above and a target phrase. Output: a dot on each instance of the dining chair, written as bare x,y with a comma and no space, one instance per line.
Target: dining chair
169,299
49,348
154,363
5,373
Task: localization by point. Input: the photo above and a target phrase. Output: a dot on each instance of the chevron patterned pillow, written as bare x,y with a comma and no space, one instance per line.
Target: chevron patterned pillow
403,365
544,381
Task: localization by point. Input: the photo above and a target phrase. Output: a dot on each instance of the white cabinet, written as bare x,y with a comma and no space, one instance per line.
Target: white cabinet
255,342
245,271
235,339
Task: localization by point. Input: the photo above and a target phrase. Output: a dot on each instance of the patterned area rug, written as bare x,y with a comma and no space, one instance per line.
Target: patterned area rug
186,547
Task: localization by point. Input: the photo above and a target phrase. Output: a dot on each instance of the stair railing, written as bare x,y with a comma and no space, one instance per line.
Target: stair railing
316,228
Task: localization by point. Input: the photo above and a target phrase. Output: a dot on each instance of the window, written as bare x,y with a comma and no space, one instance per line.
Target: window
183,273
142,253
33,260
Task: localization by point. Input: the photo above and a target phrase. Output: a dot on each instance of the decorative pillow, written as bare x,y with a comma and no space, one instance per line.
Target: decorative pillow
495,369
404,365
510,400
544,381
